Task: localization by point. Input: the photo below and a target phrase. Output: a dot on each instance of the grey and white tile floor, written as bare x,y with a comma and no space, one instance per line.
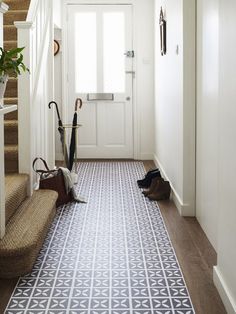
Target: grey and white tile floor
111,255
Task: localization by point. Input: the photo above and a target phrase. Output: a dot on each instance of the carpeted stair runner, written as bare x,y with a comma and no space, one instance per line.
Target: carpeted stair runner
16,192
28,220
25,233
18,10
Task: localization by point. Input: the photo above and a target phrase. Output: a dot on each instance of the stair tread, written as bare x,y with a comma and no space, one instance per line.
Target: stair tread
25,224
11,153
15,191
9,26
11,124
11,148
11,100
25,233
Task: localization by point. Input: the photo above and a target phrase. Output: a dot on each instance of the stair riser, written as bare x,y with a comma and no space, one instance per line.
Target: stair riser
11,90
11,136
11,166
17,5
10,45
12,16
11,116
10,33
16,193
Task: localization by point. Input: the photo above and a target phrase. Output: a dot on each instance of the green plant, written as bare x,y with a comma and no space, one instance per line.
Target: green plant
11,62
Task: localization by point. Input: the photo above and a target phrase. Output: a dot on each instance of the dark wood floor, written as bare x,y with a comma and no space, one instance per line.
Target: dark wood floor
195,254
196,257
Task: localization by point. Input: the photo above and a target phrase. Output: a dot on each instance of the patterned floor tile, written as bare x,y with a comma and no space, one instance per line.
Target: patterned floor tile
111,255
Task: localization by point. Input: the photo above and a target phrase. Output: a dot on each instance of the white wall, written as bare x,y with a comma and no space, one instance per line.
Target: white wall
143,34
144,46
58,92
57,13
225,272
207,117
175,101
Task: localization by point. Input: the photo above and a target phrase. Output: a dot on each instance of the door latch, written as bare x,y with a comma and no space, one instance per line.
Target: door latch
129,54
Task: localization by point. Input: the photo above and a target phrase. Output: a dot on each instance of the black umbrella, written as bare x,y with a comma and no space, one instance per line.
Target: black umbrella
73,134
62,133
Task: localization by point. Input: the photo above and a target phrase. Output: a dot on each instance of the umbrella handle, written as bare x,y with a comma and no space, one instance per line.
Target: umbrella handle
53,102
80,103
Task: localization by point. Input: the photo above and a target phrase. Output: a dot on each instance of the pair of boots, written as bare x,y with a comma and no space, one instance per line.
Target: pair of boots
156,188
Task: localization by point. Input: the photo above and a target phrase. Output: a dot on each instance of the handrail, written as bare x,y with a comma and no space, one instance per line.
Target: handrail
32,10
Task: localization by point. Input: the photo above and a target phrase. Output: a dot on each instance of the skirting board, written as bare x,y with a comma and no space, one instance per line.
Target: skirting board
229,302
146,156
183,209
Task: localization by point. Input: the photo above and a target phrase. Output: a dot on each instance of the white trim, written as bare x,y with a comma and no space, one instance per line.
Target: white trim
59,157
145,156
100,2
225,294
23,25
136,110
3,7
183,208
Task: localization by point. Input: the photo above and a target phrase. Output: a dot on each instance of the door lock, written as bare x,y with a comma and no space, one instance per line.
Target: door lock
129,54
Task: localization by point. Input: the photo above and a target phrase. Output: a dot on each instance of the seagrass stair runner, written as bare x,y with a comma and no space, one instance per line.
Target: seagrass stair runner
18,10
111,255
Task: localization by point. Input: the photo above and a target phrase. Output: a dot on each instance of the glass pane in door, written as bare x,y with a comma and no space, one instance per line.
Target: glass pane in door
113,52
85,52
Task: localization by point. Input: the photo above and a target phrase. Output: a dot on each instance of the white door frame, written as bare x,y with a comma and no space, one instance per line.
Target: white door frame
136,110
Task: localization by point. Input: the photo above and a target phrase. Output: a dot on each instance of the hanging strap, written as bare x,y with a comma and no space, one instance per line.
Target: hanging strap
45,165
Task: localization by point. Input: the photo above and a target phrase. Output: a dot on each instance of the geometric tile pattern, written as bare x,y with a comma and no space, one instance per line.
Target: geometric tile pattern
111,255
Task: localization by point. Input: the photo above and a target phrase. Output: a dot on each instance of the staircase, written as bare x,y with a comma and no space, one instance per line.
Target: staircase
28,220
17,12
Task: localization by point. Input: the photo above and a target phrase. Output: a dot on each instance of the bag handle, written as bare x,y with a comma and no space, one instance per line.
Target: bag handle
45,165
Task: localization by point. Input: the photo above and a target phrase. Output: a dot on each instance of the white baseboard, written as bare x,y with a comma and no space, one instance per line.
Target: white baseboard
184,209
227,298
146,156
59,156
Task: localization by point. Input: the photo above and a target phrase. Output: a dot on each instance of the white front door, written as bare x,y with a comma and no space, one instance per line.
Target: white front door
100,72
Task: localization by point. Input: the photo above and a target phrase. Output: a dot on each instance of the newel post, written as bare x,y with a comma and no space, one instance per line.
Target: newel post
25,121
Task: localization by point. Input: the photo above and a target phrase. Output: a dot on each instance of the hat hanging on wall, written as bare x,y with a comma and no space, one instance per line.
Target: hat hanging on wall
162,23
56,47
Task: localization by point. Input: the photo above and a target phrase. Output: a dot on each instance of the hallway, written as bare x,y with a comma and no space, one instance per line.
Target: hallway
113,255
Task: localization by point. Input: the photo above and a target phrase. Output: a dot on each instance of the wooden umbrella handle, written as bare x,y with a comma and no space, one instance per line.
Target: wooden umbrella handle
76,103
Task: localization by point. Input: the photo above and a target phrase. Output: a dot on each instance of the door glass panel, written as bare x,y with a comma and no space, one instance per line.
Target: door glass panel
85,52
113,52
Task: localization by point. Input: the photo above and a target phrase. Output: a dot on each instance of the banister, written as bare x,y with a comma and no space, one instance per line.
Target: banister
36,90
32,10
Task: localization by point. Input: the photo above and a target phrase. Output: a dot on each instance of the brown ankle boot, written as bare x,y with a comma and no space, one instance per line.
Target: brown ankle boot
154,186
163,192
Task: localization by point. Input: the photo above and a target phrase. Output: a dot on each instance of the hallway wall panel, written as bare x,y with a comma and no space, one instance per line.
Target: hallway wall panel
175,101
207,117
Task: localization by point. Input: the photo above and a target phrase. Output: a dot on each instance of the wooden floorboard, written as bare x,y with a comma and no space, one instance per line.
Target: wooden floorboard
196,257
6,288
195,254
